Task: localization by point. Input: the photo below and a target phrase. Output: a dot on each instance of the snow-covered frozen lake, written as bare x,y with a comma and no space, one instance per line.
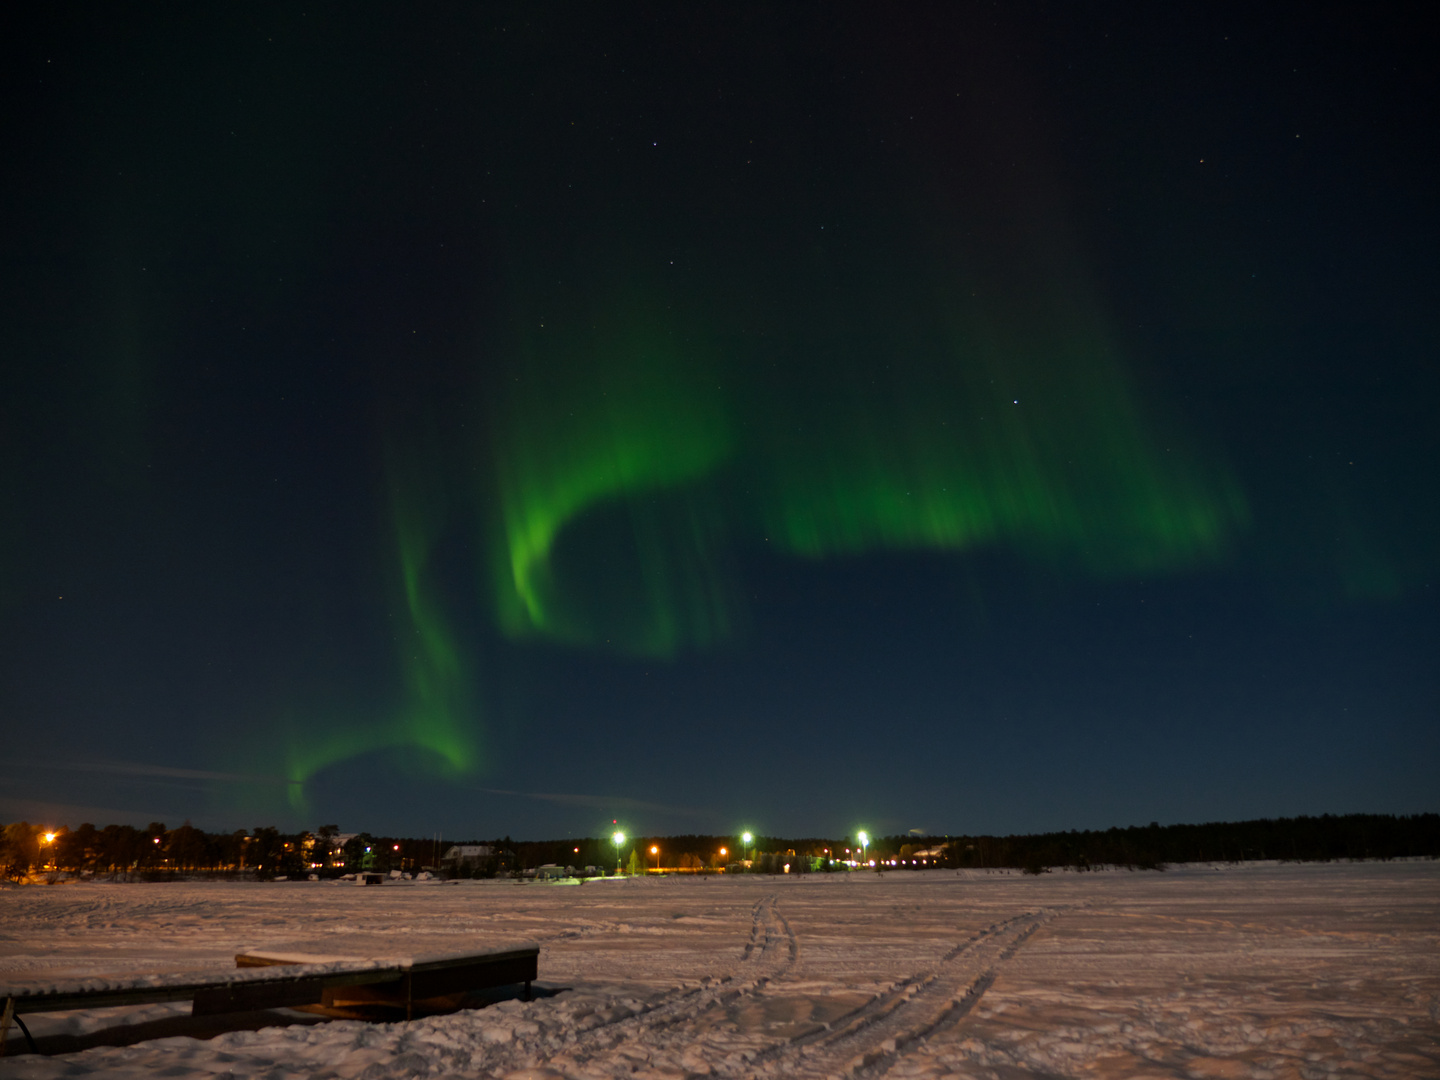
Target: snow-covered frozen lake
1259,971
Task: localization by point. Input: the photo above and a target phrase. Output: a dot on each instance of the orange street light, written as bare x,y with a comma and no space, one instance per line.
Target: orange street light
656,852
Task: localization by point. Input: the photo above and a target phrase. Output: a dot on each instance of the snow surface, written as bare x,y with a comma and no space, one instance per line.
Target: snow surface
1260,972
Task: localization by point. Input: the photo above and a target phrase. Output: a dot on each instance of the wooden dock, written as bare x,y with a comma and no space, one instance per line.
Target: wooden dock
315,983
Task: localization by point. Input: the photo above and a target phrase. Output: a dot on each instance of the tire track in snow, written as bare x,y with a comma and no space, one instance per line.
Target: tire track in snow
867,1042
771,949
756,929
768,928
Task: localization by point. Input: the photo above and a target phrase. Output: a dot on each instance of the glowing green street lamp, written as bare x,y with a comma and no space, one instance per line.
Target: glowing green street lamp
864,839
619,839
747,838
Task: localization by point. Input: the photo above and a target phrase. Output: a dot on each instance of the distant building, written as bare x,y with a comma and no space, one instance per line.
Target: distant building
460,858
931,856
336,852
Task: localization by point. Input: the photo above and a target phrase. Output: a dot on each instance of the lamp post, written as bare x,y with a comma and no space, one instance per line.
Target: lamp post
655,850
746,837
864,839
619,839
48,838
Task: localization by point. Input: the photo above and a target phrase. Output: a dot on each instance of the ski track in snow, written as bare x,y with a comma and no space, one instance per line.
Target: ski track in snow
1260,972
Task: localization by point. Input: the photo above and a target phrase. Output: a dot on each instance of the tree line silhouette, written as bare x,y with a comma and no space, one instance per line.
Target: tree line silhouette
158,853
1326,838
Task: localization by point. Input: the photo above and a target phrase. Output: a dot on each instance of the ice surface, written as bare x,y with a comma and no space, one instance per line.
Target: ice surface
1256,972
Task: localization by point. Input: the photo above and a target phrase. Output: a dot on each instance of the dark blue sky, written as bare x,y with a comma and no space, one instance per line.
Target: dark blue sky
505,421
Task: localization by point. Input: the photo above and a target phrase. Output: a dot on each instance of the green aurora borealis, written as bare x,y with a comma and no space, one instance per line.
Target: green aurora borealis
632,463
616,414
438,714
983,436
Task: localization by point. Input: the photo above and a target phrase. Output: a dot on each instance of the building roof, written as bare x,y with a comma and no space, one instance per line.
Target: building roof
467,851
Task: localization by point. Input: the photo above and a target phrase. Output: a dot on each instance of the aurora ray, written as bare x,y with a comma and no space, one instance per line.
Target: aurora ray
438,714
615,414
996,433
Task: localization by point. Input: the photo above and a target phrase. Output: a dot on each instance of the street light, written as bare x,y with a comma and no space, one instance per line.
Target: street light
619,839
864,839
656,852
747,838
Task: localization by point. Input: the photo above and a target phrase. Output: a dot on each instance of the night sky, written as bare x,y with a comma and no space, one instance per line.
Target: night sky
508,419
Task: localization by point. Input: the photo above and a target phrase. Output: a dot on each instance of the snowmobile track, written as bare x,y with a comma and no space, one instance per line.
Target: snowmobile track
768,928
862,1044
771,950
868,1041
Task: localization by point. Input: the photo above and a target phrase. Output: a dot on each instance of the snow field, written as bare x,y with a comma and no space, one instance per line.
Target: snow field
1255,972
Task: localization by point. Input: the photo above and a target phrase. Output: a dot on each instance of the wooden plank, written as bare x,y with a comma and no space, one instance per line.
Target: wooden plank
419,962
423,978
284,993
101,999
185,989
454,978
275,959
